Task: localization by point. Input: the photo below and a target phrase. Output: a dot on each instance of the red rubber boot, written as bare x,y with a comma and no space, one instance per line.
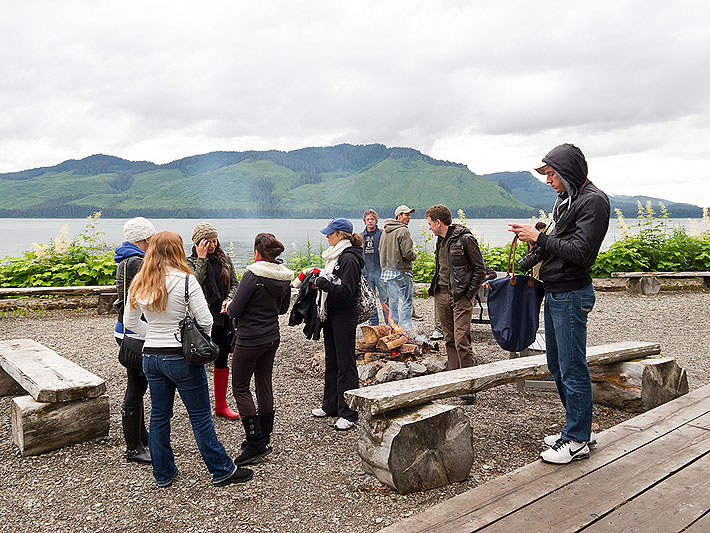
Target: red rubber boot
221,378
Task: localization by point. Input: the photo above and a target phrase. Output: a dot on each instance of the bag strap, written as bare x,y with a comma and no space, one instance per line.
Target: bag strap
187,294
511,260
125,269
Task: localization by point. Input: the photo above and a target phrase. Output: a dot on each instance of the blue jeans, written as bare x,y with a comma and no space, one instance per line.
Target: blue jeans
374,280
401,292
566,342
165,374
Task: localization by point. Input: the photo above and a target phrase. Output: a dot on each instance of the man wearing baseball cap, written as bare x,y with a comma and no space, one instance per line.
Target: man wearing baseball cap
396,257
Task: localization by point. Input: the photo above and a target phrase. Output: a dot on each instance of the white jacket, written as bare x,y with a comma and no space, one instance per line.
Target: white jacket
159,331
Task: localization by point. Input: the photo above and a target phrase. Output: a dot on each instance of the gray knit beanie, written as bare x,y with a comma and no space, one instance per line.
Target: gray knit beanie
204,230
137,229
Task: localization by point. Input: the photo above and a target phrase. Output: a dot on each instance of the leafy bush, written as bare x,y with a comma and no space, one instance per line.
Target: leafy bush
657,246
83,260
301,259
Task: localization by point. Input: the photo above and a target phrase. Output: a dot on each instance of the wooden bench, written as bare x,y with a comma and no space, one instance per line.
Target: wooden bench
106,293
66,404
650,473
648,282
411,444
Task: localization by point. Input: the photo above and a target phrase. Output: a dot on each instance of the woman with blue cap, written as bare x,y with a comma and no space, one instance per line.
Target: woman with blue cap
339,284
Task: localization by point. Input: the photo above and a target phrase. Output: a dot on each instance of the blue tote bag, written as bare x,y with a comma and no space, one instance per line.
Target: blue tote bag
514,307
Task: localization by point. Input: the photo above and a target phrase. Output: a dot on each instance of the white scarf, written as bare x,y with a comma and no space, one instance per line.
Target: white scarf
331,256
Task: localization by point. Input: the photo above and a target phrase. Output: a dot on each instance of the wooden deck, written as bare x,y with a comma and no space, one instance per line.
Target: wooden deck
651,473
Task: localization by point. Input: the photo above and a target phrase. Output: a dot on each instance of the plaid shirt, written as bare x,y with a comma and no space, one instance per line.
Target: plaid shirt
389,275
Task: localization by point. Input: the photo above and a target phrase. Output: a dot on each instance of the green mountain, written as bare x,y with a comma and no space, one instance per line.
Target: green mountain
528,189
312,182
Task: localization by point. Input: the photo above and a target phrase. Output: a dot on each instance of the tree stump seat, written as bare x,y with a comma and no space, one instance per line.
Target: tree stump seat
648,283
412,444
65,404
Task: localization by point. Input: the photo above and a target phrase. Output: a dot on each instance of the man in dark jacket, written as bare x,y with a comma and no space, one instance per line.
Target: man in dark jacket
459,272
372,270
568,251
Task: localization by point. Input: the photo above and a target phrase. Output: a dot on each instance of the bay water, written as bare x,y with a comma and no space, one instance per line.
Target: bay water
237,235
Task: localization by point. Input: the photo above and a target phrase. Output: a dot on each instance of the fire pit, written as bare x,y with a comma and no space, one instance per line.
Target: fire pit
389,353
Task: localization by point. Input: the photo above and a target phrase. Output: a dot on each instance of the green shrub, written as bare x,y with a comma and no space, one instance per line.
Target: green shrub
84,260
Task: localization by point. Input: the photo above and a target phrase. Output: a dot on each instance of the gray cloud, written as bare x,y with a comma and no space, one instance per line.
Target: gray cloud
493,86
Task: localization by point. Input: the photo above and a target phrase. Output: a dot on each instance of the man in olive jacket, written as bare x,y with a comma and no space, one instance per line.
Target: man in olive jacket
396,256
460,270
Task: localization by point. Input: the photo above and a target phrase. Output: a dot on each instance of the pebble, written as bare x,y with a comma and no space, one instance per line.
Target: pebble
314,474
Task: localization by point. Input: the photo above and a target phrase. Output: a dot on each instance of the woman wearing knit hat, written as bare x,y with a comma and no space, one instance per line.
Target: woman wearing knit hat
129,256
215,272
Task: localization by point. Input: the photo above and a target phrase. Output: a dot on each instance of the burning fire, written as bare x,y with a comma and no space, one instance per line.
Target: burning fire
394,328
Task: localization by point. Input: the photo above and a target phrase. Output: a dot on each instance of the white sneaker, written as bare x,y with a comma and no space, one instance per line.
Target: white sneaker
319,413
436,336
343,424
565,451
550,440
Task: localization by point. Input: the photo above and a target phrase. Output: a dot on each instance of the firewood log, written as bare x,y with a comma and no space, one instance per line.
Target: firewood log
393,341
363,345
372,334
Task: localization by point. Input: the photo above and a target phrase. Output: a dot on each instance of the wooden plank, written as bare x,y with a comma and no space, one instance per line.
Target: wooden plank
498,498
40,427
36,291
600,492
47,376
660,274
700,526
414,391
672,505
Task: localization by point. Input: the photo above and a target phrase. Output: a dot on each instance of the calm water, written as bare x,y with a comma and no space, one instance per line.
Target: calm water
18,234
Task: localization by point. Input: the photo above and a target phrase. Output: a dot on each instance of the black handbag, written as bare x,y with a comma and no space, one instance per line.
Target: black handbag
130,352
514,307
197,346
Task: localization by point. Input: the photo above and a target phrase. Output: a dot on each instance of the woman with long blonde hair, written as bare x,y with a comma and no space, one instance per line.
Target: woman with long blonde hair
158,293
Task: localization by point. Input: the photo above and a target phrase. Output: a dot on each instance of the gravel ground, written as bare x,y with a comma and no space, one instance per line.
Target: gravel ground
313,480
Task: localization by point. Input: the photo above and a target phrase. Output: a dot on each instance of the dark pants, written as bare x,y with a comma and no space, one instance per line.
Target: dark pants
135,387
257,361
455,318
221,337
340,368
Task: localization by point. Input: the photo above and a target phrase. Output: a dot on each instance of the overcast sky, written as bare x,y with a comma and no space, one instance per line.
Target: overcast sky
494,85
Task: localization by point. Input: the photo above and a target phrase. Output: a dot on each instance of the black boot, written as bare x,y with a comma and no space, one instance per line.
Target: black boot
255,447
267,427
135,451
143,430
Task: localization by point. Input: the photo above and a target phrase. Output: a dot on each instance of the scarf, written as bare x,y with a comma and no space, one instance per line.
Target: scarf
331,256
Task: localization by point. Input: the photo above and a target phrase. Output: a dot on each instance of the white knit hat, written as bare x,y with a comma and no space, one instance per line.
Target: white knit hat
137,229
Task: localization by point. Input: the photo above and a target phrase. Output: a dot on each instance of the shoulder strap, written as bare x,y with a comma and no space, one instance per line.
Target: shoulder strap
187,292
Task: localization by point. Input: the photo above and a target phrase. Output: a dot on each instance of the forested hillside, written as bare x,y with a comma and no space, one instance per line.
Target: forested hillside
312,182
322,182
534,192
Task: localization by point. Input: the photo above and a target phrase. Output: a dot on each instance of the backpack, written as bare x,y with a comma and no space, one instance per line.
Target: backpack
366,301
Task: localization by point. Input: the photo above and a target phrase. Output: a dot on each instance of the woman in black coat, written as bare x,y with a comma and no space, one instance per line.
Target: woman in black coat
339,284
263,294
214,270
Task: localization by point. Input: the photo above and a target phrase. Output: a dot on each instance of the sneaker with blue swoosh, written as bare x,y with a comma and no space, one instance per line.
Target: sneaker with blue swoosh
565,451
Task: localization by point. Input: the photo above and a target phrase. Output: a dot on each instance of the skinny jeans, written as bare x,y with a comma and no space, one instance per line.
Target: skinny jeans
257,361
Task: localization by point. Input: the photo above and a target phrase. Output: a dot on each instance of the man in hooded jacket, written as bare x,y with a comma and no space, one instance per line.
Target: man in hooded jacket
568,251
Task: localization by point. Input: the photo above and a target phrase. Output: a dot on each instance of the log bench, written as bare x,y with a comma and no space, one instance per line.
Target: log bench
648,283
106,293
66,403
412,444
